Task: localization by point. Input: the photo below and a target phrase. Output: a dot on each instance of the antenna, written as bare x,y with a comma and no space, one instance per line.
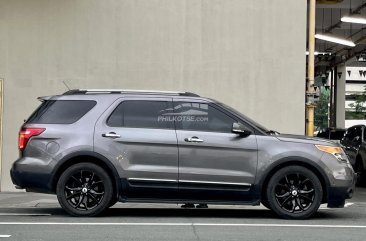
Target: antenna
68,88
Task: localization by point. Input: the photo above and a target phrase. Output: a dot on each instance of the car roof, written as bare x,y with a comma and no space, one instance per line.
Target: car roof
129,91
359,125
104,94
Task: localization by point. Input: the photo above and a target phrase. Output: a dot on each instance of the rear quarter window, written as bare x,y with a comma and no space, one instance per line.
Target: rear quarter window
61,111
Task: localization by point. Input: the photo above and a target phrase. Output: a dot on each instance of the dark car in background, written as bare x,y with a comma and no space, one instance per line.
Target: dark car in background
334,134
354,144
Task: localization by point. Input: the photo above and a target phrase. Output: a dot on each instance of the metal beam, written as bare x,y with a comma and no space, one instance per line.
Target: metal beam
337,24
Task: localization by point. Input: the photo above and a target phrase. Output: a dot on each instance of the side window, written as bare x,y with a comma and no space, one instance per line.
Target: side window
140,114
201,117
359,133
354,134
61,111
349,134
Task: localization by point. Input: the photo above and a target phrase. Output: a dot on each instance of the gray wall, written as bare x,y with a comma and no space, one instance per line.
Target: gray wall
246,53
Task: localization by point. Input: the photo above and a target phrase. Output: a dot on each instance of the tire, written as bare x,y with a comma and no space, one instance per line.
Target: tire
361,175
84,189
265,203
113,202
294,192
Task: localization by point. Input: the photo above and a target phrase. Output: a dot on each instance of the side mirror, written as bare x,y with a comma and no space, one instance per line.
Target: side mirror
240,129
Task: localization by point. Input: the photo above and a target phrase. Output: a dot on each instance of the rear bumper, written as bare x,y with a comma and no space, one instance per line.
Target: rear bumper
32,177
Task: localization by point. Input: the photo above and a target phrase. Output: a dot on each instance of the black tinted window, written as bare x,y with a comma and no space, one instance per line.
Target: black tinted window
354,133
350,134
337,135
201,117
61,111
141,114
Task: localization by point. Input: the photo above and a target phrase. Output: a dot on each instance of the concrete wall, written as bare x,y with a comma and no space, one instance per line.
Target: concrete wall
248,54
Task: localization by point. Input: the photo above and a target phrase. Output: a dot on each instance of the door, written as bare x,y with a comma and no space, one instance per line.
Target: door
214,163
142,146
352,142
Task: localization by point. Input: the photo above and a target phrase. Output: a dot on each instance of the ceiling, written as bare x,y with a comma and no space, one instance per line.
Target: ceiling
328,20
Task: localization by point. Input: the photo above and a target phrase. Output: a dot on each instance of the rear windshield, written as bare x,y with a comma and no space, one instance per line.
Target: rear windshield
61,111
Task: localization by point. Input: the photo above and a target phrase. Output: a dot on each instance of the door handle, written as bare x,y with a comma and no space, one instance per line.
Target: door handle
112,135
193,139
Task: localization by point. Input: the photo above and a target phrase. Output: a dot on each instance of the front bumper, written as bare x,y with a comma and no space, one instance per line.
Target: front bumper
342,180
337,195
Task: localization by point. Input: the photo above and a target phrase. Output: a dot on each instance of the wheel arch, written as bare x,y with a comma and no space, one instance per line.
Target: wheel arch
86,156
295,161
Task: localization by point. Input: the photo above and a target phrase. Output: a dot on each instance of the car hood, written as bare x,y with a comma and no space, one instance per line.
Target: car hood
305,139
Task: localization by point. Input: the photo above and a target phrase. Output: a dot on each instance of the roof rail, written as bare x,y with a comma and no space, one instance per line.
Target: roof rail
127,91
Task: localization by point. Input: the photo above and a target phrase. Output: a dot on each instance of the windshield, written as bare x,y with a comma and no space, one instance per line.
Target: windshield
259,126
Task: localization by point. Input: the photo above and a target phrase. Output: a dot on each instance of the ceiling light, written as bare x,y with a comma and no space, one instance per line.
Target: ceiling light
333,39
354,19
319,53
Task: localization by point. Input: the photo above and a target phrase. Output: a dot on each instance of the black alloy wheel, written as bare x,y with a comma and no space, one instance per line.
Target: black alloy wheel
294,192
84,189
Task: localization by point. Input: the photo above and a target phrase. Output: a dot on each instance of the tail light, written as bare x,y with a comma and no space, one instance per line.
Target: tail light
26,133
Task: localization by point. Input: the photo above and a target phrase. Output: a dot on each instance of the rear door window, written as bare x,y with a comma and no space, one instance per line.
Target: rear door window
61,111
141,114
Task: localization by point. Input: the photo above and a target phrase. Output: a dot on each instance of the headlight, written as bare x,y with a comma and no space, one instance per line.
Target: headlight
336,151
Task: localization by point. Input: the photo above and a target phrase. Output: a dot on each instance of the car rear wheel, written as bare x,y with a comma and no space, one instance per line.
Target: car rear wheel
294,192
84,189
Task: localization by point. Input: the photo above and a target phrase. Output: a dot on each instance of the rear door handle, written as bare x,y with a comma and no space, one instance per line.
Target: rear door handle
112,135
193,139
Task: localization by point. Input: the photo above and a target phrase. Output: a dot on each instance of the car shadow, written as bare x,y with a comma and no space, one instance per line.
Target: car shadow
188,213
136,212
206,213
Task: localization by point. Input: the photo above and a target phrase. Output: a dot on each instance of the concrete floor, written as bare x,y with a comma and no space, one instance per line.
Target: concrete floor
30,216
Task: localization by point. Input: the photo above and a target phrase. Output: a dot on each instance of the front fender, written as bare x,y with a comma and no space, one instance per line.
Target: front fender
292,160
260,185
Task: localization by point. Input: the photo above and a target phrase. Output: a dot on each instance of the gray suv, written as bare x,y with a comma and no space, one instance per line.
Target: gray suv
96,147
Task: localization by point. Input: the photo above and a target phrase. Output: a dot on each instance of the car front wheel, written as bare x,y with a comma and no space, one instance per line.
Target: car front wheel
294,192
84,189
